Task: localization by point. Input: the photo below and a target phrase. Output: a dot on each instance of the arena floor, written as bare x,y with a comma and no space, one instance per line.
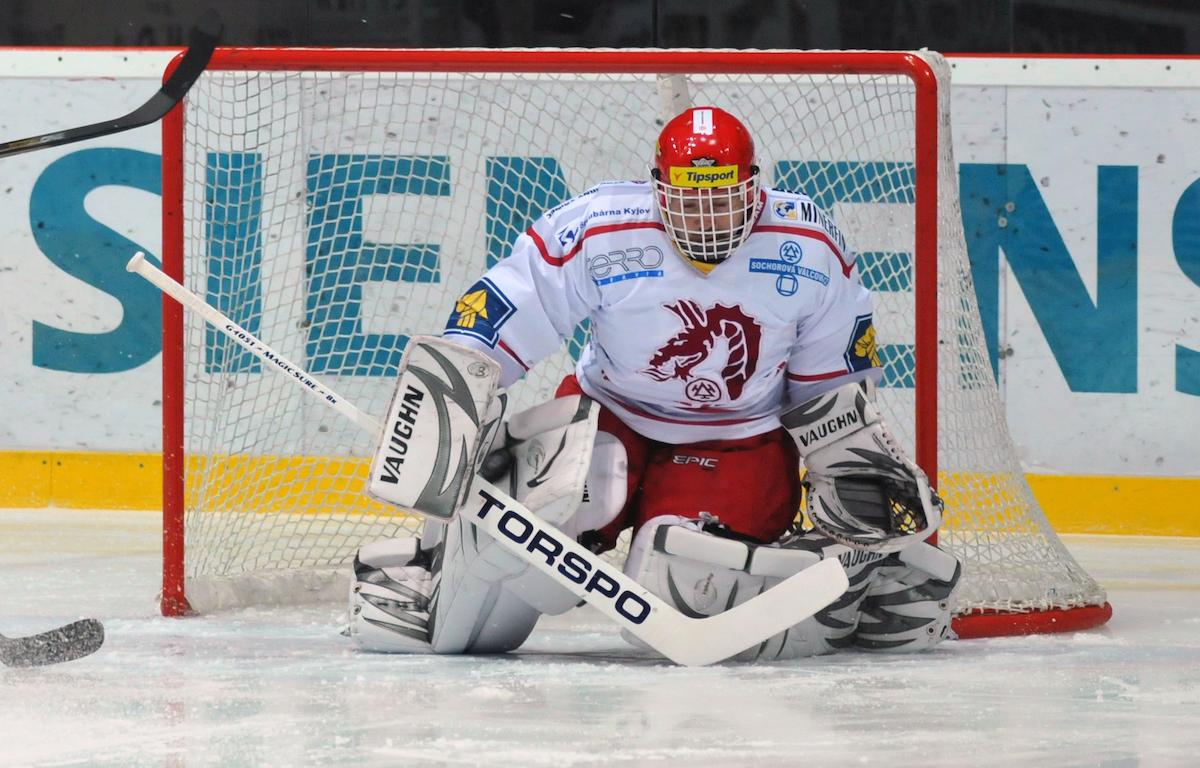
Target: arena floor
282,688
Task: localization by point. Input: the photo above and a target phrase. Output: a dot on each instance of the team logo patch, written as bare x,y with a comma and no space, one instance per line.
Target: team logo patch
787,269
691,346
703,178
862,353
480,312
786,209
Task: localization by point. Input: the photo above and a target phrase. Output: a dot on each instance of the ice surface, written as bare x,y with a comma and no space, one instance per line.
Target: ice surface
281,687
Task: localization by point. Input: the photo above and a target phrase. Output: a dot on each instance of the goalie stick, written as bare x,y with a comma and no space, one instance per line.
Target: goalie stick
67,643
195,59
684,640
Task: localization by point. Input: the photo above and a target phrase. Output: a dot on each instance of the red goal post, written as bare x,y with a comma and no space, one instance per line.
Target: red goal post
281,162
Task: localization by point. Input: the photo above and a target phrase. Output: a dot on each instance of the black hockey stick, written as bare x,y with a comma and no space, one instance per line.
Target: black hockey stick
204,40
74,641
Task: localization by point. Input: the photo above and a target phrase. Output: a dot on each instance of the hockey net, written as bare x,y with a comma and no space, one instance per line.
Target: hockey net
336,202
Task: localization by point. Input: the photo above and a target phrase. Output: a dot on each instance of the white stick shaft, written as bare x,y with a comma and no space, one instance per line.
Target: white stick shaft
250,342
684,640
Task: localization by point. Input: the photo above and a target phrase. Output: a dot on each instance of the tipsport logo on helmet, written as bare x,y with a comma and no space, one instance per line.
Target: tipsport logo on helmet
704,177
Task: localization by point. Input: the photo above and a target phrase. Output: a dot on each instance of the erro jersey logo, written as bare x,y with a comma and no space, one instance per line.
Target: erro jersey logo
625,264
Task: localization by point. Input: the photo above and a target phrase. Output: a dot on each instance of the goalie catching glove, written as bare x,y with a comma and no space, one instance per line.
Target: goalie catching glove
861,489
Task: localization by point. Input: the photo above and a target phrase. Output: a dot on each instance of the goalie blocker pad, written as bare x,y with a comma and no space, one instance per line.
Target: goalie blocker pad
444,414
861,489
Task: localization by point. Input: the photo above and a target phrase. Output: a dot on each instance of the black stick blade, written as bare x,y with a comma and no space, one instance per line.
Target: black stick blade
68,643
203,42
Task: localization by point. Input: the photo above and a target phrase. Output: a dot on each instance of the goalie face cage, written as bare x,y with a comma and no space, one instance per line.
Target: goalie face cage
335,202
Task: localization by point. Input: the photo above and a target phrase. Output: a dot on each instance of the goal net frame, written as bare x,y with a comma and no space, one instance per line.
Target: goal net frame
931,140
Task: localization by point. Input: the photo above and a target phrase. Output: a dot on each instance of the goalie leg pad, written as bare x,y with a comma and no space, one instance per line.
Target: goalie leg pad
488,600
911,603
703,574
551,446
607,487
389,597
409,599
484,599
472,612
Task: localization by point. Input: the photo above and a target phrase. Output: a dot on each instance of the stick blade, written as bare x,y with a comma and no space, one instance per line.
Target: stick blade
73,641
203,41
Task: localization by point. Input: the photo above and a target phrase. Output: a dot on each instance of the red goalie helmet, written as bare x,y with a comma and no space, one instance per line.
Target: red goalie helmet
706,183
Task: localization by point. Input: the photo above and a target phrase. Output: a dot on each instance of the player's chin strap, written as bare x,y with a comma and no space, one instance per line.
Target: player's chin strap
861,489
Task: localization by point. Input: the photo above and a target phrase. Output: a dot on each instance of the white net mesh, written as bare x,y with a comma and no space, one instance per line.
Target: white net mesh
335,213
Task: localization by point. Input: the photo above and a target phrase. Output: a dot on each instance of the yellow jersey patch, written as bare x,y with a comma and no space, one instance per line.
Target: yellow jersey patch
471,307
864,347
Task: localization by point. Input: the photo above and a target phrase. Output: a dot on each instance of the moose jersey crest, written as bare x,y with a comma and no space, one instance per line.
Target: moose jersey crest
692,346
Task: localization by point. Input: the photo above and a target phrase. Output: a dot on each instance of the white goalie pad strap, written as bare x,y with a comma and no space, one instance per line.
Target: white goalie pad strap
389,553
437,427
938,563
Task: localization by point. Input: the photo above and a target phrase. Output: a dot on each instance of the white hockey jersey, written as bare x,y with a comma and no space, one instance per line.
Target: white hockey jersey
678,355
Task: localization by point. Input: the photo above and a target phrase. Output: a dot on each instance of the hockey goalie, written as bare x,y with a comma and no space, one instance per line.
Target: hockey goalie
729,374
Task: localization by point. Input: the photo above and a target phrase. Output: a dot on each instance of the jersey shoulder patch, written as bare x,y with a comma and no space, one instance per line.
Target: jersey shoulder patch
480,313
784,206
784,209
862,352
